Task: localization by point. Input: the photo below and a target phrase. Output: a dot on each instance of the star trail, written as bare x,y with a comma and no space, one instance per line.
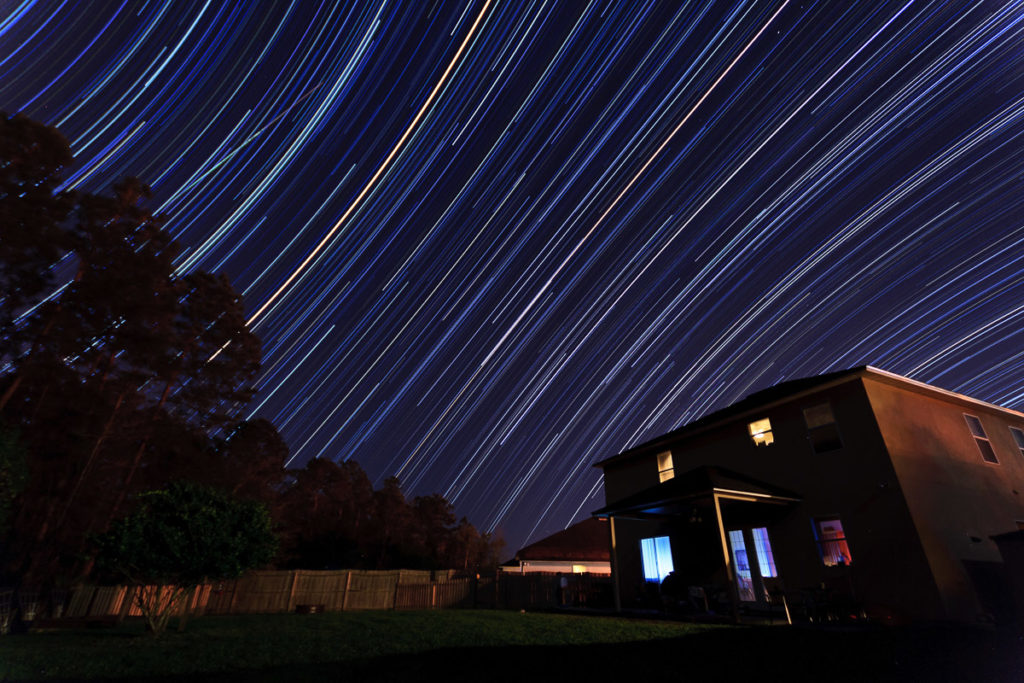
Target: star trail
486,244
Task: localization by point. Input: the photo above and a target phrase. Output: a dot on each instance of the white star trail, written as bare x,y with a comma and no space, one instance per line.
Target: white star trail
486,244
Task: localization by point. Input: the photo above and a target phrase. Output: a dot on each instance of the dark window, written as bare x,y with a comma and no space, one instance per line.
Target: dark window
822,430
981,438
1018,437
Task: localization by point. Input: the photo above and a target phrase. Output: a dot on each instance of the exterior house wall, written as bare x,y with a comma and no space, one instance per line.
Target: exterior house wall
857,483
956,499
628,477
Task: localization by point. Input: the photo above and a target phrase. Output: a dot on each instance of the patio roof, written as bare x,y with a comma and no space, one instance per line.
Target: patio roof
678,494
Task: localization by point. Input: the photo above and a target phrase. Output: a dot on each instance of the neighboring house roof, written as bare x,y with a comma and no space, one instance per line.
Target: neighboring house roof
701,482
785,391
585,541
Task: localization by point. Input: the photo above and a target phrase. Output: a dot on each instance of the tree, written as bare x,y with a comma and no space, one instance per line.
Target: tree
252,461
391,524
433,526
33,234
125,375
180,537
325,515
13,472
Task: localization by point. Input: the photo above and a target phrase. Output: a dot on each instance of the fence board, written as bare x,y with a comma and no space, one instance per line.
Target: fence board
283,591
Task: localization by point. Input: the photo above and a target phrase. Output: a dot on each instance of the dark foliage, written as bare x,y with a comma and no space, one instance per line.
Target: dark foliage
119,383
181,536
135,376
32,217
330,517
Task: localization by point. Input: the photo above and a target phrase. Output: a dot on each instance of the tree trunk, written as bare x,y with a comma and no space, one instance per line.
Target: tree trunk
92,456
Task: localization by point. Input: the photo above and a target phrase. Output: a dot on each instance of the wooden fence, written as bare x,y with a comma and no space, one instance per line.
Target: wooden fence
335,591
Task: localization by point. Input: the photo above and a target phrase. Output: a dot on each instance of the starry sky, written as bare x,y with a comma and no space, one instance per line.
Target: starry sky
486,244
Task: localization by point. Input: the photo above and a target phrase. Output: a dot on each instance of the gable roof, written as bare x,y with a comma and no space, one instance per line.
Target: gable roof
585,541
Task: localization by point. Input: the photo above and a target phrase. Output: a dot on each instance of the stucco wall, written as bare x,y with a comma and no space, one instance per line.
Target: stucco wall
956,499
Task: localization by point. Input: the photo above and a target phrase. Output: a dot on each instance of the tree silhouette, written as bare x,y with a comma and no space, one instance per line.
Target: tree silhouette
132,367
180,537
33,234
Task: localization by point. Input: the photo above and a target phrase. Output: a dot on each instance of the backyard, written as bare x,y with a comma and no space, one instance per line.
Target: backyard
503,646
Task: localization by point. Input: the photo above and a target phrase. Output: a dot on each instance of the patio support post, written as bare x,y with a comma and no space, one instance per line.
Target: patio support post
615,564
730,575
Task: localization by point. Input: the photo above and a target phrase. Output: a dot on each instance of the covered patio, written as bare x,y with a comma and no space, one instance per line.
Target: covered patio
716,520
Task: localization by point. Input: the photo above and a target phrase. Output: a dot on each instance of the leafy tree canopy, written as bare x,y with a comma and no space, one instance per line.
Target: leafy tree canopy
185,534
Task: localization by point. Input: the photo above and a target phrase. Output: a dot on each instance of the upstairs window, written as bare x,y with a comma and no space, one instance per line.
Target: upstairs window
665,470
835,552
761,432
1018,437
822,430
981,438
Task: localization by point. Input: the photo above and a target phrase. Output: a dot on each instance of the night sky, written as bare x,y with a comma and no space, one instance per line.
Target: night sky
486,245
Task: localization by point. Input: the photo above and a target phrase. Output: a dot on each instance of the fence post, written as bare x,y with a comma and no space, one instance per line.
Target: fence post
126,606
433,596
348,583
234,596
290,607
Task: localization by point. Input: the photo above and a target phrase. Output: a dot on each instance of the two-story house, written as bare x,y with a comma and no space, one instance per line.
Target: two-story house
861,483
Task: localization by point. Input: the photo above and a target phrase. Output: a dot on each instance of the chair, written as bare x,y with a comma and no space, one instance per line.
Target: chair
776,594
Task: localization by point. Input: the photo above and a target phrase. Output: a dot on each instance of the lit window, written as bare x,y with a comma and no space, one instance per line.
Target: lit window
832,542
822,430
579,569
665,471
765,557
981,438
761,432
657,558
744,579
1018,436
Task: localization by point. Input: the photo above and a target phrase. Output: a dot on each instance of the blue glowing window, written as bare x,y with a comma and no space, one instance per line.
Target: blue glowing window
765,558
657,558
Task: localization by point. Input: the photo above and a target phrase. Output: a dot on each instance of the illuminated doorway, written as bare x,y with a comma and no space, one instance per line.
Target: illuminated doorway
753,561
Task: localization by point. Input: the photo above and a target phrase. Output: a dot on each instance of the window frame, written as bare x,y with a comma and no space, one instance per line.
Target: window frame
980,438
1014,432
658,551
665,473
767,436
844,541
825,433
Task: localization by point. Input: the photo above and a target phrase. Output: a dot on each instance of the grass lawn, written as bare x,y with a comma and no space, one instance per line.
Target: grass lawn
503,646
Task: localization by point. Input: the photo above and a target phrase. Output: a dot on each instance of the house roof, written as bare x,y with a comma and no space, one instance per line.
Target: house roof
585,541
785,391
701,482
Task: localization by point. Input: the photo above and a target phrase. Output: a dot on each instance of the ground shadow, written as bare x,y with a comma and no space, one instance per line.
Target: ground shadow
791,654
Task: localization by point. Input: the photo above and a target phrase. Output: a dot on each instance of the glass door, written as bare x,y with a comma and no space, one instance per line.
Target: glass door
753,561
741,565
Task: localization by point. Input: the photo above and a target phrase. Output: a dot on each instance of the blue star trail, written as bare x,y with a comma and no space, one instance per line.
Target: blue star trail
488,243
